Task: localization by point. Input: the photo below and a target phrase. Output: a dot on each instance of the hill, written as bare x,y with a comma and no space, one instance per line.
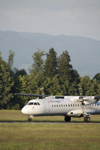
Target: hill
84,52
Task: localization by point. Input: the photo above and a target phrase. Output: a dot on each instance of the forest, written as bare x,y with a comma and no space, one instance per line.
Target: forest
55,74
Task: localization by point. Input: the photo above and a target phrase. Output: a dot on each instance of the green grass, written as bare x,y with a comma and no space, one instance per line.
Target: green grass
12,115
30,136
16,115
56,136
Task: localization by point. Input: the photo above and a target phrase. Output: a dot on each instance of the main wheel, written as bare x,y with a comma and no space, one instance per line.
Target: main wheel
67,119
86,119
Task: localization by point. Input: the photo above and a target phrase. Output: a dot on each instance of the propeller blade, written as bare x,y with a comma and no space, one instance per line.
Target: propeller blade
42,91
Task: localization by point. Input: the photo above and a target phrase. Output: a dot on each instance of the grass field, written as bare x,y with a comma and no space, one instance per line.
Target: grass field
16,115
56,136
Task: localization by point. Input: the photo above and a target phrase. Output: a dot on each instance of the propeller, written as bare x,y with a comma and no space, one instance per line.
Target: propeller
87,99
42,91
80,93
81,97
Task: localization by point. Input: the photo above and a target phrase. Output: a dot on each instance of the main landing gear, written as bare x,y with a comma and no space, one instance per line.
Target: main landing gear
67,118
86,119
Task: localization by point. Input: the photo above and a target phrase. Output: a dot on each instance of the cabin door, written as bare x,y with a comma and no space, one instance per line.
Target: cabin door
47,109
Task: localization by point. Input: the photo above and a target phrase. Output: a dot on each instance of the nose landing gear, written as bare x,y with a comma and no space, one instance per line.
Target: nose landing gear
30,118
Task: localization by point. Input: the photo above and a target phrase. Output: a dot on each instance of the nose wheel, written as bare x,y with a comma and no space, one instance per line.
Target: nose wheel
29,119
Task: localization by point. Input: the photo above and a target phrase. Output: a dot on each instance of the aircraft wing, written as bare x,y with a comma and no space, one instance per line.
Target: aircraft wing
34,95
85,99
40,96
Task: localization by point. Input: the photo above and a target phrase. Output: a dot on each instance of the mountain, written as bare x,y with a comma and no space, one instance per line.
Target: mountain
84,52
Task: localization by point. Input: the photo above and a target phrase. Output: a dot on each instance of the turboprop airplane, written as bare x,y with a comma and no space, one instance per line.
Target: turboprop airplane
67,106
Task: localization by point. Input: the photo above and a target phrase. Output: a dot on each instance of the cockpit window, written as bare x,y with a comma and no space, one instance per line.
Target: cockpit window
38,103
33,103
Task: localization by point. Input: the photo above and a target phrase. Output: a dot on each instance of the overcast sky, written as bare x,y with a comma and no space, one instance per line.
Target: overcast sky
55,17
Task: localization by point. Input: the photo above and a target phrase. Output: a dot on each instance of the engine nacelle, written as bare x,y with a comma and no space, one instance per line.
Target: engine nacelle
89,100
86,99
75,113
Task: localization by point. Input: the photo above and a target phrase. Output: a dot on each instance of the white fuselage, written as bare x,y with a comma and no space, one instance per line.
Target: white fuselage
50,107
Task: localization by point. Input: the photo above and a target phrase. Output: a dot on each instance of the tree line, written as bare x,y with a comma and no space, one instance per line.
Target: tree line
55,74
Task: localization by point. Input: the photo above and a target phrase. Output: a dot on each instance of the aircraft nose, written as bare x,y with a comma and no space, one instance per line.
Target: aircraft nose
24,111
